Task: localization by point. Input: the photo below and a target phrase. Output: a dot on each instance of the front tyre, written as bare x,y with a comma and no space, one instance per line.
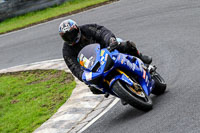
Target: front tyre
160,85
122,90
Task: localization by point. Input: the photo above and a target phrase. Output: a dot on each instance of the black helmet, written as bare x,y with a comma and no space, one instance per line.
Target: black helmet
70,32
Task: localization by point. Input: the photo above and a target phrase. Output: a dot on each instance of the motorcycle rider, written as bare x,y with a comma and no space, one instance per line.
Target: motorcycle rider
76,37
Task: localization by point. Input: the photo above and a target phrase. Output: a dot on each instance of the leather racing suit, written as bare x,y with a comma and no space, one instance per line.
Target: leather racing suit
93,33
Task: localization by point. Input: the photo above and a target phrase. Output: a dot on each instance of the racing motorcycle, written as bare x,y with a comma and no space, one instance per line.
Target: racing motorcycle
121,75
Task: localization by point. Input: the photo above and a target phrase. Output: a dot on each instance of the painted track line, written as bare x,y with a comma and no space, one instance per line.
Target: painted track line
99,116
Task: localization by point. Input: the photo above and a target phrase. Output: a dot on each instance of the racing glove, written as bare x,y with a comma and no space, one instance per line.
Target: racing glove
124,47
113,44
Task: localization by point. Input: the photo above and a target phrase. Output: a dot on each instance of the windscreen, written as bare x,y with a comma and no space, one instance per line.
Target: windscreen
87,55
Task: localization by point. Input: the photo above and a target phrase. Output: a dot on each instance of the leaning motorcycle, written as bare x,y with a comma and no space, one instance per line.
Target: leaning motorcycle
121,75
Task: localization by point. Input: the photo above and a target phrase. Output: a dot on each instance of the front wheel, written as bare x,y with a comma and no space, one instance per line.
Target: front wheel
140,101
160,85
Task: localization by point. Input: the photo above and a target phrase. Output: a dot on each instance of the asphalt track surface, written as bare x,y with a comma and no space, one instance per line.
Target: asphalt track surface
169,31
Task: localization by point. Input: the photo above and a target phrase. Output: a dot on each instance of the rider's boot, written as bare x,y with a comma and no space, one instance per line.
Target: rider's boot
146,59
95,90
106,95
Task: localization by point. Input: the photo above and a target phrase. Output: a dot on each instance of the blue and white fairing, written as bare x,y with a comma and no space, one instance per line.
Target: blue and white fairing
92,56
136,67
95,62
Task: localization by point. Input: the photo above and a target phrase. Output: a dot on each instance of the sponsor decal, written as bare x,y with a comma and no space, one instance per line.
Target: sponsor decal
119,58
144,74
81,63
84,61
106,57
102,62
88,76
148,83
129,64
91,60
102,52
150,88
81,57
114,58
140,64
102,58
133,67
147,80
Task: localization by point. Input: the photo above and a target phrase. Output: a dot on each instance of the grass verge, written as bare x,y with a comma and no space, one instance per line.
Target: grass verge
29,98
32,18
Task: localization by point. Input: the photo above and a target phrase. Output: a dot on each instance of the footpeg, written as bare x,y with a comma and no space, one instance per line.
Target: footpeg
106,95
152,68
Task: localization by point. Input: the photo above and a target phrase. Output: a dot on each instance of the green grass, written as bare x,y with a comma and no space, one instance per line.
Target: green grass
27,99
43,15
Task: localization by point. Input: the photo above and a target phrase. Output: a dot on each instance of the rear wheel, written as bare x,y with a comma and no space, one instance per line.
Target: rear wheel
160,85
135,98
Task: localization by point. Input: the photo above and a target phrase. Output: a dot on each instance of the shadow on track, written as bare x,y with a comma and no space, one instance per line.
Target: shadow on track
131,113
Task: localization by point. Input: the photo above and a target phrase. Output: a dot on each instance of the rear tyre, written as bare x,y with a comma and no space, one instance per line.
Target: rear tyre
122,90
160,85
